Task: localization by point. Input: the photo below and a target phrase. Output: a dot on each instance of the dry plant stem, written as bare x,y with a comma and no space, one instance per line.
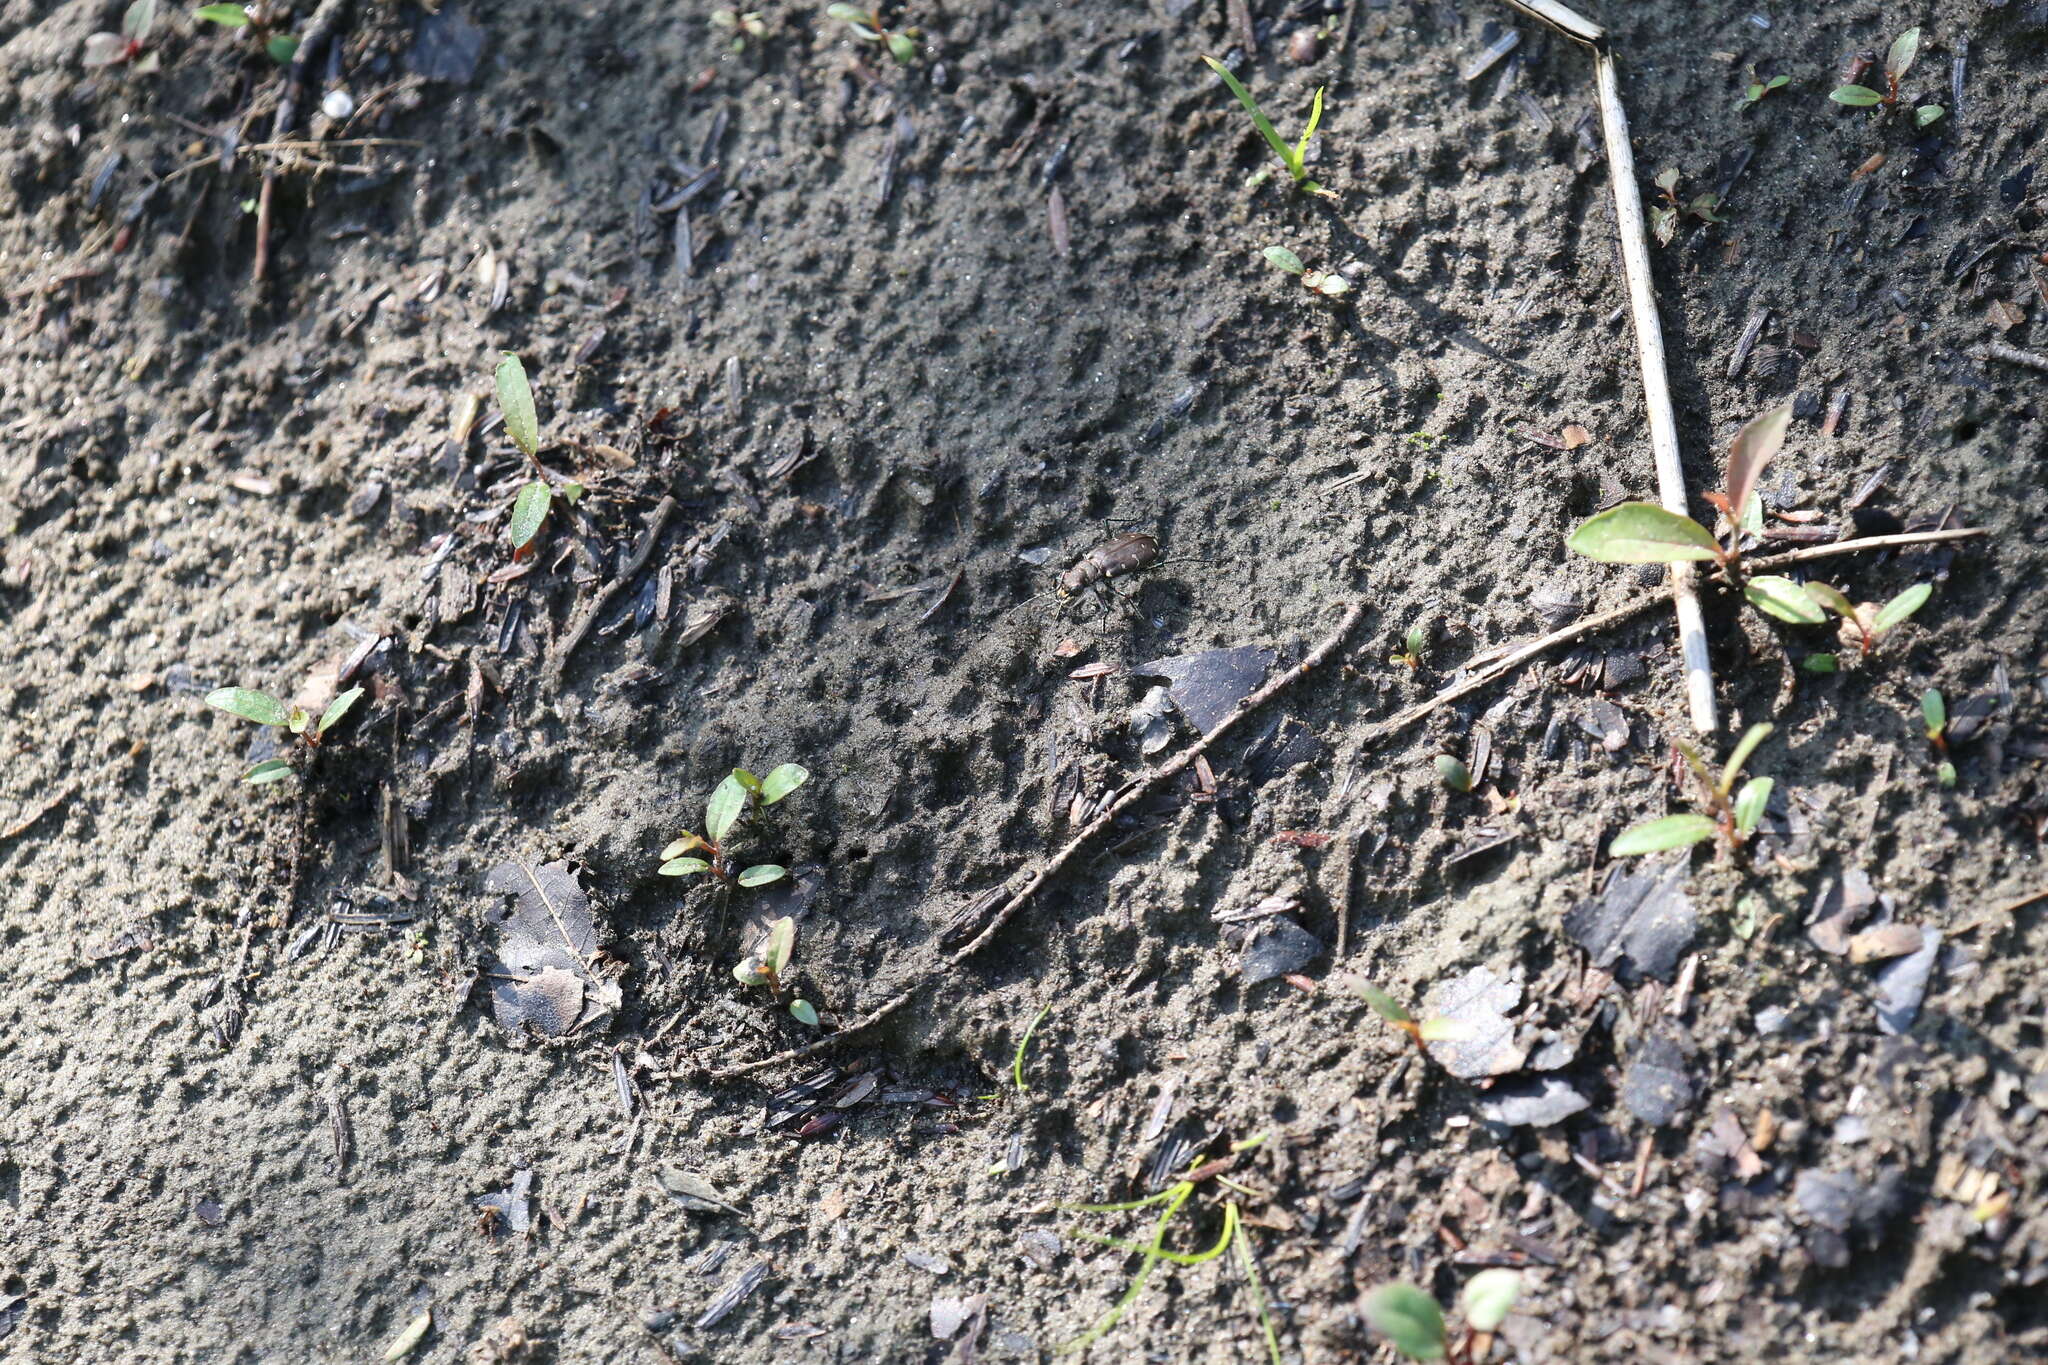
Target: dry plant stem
1137,790
1592,624
656,524
1642,298
1998,350
312,46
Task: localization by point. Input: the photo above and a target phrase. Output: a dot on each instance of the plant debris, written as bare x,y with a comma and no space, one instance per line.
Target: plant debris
542,975
1641,919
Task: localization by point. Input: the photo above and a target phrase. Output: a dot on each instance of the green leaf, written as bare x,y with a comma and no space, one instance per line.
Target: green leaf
1926,114
297,719
763,873
1749,805
804,1013
515,400
1259,120
1284,259
1753,448
747,780
781,937
1315,116
683,867
1655,836
688,843
1384,1005
1895,612
1946,774
1415,640
572,492
1444,1029
249,704
1667,180
1784,599
1456,775
1934,710
139,20
1832,599
1776,81
269,770
1329,286
1899,60
529,510
903,48
750,973
728,799
1744,747
1488,1297
337,708
1408,1318
282,48
1753,93
1855,96
845,14
1753,516
1820,663
781,781
1642,533
227,16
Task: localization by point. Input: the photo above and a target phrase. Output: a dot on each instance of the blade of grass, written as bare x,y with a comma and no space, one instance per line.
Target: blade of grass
1017,1062
1259,119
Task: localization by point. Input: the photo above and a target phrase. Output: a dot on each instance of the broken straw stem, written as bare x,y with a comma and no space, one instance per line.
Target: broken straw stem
1642,298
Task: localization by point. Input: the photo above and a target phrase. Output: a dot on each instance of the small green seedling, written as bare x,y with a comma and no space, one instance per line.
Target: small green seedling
1154,1251
1327,283
739,793
1758,88
1934,710
741,24
536,497
1412,645
1665,217
1731,814
1897,63
258,21
130,45
1413,1323
1024,1043
1294,158
1454,773
867,26
1421,1032
1644,533
1865,624
264,709
768,964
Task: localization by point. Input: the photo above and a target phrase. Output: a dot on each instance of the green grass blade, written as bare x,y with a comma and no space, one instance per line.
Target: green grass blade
1259,120
1258,1286
1315,116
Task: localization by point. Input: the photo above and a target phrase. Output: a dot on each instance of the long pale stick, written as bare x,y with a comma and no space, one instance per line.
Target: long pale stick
1642,300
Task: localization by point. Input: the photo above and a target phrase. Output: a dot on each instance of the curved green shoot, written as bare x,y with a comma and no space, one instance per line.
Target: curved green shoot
1023,1043
1744,747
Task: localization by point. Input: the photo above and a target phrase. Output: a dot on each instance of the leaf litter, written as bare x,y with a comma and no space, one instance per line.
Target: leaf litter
542,976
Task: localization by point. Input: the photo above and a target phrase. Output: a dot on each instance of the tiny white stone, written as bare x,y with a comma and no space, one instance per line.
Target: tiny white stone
338,104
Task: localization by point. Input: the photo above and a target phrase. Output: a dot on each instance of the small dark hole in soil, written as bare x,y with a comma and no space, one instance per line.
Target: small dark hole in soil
856,852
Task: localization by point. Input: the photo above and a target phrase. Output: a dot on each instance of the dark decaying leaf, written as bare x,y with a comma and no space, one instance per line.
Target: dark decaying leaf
1641,917
541,975
1279,947
1902,985
1531,1101
1207,685
1656,1088
1484,1043
1840,906
511,1203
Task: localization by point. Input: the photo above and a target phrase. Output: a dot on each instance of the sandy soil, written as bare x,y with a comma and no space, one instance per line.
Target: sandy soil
943,329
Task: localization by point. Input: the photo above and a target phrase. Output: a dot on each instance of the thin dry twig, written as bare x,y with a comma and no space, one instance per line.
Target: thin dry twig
1600,621
1642,298
312,47
656,524
1136,792
1998,350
